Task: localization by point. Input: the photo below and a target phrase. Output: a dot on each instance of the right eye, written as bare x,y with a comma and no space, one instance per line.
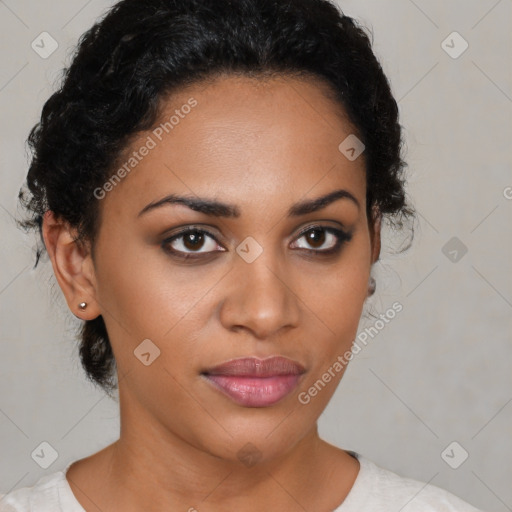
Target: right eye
189,241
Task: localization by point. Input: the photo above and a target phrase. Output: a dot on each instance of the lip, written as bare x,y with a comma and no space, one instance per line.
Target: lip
254,382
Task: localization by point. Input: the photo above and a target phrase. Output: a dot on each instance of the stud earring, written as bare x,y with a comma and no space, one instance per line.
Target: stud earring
82,305
372,284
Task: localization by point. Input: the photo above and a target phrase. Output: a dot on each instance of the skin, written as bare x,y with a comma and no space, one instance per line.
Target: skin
180,436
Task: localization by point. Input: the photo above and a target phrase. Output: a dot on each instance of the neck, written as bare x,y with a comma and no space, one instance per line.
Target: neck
150,464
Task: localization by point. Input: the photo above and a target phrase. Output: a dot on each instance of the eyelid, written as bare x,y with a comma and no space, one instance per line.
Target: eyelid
317,225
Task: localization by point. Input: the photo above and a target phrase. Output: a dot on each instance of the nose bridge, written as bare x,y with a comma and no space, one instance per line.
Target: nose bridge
260,300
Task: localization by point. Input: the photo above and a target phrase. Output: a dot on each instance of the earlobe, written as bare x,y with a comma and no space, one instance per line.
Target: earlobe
72,266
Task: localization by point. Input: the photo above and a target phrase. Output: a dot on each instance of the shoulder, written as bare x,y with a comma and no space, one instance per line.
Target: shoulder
380,490
43,496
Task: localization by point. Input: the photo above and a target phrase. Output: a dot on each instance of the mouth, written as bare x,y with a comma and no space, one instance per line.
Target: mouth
253,382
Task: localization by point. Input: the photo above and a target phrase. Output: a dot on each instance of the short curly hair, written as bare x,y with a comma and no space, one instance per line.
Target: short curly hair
139,52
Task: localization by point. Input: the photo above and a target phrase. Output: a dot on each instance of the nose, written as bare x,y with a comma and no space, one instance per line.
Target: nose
260,298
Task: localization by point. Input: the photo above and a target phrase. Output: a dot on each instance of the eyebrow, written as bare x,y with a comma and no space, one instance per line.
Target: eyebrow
216,208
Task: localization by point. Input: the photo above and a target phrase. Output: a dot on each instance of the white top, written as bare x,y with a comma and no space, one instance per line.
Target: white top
375,489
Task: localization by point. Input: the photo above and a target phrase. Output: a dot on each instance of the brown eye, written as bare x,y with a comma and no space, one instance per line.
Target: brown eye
323,240
191,241
315,237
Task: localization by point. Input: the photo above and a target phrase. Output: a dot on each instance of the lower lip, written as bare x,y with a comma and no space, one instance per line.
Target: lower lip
255,391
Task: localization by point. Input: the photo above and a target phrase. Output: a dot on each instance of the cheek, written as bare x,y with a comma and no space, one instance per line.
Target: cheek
336,297
338,301
143,294
341,298
339,305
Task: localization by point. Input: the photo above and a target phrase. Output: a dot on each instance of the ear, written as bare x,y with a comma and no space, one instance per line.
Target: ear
375,234
72,265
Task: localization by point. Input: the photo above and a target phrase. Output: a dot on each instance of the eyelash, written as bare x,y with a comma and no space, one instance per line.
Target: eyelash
340,235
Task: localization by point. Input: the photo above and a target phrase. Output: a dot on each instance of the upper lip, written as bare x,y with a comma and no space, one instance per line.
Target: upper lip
255,367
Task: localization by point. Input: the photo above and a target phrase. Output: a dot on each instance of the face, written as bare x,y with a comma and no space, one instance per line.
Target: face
263,273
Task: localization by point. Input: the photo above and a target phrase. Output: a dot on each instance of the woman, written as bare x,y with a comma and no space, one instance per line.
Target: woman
210,183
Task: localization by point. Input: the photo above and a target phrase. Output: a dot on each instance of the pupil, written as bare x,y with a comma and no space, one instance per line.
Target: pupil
196,239
319,240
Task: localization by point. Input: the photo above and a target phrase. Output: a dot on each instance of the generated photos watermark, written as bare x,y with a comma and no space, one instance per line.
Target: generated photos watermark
150,143
342,360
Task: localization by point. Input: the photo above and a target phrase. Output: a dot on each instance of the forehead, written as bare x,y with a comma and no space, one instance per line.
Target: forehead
240,137
301,109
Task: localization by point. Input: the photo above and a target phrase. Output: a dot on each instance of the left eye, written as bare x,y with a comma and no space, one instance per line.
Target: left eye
323,239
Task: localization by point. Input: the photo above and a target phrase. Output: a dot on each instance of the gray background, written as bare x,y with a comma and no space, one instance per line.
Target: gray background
438,373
